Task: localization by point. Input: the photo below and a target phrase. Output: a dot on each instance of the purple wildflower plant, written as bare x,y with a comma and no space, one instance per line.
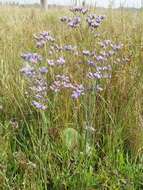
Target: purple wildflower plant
99,66
37,85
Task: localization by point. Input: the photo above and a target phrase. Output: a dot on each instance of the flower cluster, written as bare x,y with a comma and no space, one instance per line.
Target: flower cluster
94,21
98,75
43,70
42,38
39,105
64,82
32,57
61,82
71,22
58,62
75,22
28,71
109,49
103,70
35,75
69,48
78,90
109,44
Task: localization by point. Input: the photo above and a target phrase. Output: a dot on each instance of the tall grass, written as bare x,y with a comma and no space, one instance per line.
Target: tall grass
32,152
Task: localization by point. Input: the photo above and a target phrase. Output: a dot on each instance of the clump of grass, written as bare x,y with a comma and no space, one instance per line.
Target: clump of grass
104,128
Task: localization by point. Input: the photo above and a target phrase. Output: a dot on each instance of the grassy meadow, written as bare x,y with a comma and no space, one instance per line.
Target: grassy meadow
91,142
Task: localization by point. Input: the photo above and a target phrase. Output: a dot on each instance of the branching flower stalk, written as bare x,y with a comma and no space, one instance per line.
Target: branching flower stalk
96,65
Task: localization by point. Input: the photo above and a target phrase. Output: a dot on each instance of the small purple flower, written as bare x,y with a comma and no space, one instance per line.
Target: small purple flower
39,106
104,68
42,38
98,75
94,75
105,44
78,91
43,70
39,86
75,22
69,48
32,57
28,71
60,61
76,94
100,58
38,89
61,82
91,63
56,86
51,62
38,96
64,78
94,21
